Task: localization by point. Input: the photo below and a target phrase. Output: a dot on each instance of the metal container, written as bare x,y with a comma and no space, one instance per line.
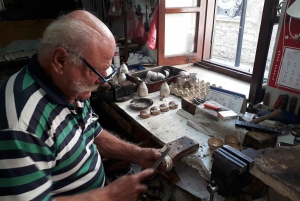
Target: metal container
155,85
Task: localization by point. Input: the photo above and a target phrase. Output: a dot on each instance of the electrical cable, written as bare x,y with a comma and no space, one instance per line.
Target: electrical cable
296,36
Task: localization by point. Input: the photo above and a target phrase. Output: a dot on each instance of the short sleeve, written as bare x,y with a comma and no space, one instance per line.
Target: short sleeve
25,167
99,129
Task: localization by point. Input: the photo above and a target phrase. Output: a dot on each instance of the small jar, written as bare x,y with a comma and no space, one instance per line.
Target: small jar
155,110
144,114
164,107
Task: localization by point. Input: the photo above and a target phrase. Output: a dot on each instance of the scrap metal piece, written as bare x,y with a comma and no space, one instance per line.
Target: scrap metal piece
182,147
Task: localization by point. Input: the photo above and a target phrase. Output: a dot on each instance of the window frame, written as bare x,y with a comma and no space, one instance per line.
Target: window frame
200,11
203,55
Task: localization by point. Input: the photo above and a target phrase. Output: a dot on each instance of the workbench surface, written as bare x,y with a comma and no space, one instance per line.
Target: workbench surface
169,126
279,168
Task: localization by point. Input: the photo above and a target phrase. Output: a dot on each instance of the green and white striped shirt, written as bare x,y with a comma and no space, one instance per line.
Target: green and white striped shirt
44,152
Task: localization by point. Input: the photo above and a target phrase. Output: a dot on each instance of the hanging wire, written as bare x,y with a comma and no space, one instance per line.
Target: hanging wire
296,36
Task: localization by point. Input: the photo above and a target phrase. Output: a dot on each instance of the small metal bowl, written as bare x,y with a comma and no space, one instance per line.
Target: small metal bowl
215,143
141,103
231,139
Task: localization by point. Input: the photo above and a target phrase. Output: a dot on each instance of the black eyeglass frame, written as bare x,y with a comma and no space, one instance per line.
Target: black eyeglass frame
104,79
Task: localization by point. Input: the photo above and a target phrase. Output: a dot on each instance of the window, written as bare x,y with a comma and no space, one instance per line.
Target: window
225,40
180,40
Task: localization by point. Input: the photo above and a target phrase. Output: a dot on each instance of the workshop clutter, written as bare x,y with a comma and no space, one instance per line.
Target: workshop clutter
164,90
155,77
126,70
230,140
141,36
142,89
139,58
156,110
189,84
152,39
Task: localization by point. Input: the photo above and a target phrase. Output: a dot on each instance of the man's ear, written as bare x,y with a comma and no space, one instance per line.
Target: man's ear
59,59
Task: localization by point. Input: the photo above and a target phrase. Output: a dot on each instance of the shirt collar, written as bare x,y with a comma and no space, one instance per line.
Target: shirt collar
45,82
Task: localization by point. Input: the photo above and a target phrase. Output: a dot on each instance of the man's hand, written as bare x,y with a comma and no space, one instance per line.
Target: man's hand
128,187
148,156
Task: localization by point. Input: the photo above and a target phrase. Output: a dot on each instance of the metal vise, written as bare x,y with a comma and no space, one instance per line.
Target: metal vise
230,171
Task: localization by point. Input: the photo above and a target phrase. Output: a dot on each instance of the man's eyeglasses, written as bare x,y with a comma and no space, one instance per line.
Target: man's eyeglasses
95,73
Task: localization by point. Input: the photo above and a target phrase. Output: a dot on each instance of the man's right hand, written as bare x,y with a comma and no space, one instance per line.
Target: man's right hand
125,188
128,187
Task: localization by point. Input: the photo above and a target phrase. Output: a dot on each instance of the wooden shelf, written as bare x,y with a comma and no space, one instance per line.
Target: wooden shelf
129,46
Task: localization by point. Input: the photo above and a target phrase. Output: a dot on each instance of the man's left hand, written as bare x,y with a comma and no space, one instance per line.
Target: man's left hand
148,156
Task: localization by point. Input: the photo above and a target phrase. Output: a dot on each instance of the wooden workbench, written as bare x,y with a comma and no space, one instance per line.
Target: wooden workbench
167,127
279,168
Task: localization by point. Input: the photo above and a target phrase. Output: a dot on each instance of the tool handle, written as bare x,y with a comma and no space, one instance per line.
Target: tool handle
293,103
278,102
284,103
266,99
211,107
275,113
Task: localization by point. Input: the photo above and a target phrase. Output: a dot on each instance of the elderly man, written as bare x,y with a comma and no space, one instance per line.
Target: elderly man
50,140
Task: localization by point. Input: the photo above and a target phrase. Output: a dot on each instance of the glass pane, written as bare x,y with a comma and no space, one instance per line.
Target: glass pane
180,33
181,3
225,48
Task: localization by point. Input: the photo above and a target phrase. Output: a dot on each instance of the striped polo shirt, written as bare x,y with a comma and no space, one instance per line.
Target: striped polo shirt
46,148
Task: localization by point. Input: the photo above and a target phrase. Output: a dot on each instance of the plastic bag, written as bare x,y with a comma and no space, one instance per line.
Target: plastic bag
115,9
131,32
141,35
152,40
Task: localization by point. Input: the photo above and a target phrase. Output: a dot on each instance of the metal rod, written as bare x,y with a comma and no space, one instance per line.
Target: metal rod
241,33
211,198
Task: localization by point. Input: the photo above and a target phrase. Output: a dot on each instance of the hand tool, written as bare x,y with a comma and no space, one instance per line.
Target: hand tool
278,102
214,107
286,117
198,101
161,158
293,103
285,101
266,98
273,114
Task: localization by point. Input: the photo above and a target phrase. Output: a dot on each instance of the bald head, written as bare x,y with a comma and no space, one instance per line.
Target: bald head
66,42
92,21
76,31
97,27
